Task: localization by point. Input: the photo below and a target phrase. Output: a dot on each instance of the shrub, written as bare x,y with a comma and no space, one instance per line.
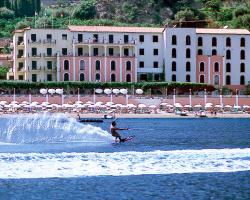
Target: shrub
86,10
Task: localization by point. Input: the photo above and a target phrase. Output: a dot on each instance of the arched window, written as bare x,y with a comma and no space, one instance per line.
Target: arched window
242,80
97,77
214,52
242,42
174,40
228,54
174,78
216,67
82,77
112,65
242,55
202,67
82,65
66,77
174,66
188,66
216,80
200,41
66,65
202,79
113,78
188,40
174,53
214,41
242,67
97,65
128,66
187,78
228,80
228,42
128,78
200,52
188,53
228,67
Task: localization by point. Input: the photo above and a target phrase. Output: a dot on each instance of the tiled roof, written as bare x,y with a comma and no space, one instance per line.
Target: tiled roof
222,31
115,29
5,42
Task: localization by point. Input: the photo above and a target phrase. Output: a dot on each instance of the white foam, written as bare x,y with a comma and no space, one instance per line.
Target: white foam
45,165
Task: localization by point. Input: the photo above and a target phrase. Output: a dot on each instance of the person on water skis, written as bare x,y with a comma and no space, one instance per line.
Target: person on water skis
114,133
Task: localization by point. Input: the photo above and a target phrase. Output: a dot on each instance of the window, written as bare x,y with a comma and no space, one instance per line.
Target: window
64,36
188,40
242,80
202,79
141,64
126,52
49,37
216,80
79,38
228,80
20,66
66,65
34,51
200,52
242,67
214,52
95,37
20,53
174,40
95,51
141,52
19,40
113,78
33,37
97,77
174,78
242,55
155,52
188,66
156,64
49,64
156,77
174,66
202,67
112,65
141,38
228,54
143,77
20,77
174,53
82,77
82,65
34,78
111,38
49,77
188,78
125,39
214,41
228,42
242,42
49,51
97,65
228,67
155,38
216,67
80,51
200,41
128,78
188,53
111,51
64,51
34,65
128,66
66,77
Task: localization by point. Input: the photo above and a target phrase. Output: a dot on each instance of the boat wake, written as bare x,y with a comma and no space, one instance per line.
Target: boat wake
46,165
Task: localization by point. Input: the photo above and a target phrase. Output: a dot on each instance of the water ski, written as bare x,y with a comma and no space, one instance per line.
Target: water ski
127,138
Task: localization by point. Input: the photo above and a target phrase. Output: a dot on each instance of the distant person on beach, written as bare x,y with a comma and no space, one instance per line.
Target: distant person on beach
114,133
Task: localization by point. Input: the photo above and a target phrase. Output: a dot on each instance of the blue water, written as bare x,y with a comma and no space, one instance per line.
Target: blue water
168,159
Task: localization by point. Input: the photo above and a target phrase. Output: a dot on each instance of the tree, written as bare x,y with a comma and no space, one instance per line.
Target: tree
185,15
5,13
86,10
3,71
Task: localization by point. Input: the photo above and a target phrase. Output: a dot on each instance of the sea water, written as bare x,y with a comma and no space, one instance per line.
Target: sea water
54,157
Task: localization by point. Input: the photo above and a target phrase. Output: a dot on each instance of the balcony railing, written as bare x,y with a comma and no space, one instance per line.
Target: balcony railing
34,41
20,56
20,42
30,68
118,42
49,41
49,55
21,69
35,55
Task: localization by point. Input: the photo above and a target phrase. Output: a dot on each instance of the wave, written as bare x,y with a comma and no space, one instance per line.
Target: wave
46,165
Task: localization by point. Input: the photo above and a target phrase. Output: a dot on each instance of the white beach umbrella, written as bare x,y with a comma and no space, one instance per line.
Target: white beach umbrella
107,91
109,103
14,102
139,91
78,102
163,104
237,107
52,91
45,103
178,105
131,105
218,106
25,102
89,102
123,91
43,91
118,105
81,106
3,102
59,91
152,106
142,106
197,106
187,106
116,91
98,91
169,106
246,106
92,106
7,106
99,103
34,102
228,106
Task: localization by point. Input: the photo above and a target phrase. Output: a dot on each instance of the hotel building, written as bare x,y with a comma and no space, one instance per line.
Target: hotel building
131,54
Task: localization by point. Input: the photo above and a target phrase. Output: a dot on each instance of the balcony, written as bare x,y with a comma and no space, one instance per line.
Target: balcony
30,68
20,43
20,69
35,55
49,55
105,42
51,69
20,56
49,41
34,41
